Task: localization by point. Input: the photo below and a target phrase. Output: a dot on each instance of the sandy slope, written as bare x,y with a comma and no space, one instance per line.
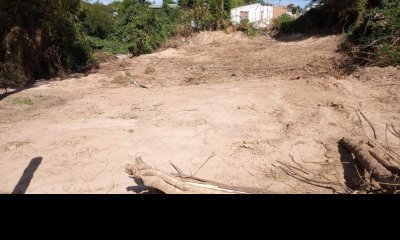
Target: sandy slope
253,102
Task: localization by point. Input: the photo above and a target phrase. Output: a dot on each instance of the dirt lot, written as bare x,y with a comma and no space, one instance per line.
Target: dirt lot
254,103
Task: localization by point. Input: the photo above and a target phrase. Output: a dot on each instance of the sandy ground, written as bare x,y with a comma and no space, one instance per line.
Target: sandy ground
251,102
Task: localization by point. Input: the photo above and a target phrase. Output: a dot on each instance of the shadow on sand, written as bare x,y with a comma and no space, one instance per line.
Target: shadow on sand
27,176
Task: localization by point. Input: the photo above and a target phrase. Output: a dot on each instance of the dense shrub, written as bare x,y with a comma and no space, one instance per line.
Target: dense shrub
206,15
39,38
247,27
143,29
376,33
283,23
97,19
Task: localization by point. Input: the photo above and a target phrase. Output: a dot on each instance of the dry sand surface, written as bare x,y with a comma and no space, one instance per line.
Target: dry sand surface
255,103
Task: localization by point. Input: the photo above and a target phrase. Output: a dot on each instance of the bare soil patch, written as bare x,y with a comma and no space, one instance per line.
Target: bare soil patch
256,103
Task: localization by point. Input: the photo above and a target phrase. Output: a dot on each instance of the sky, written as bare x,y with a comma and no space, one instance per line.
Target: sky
301,3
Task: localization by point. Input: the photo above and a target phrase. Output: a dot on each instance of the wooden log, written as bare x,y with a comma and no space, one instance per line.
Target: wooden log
382,175
182,184
391,166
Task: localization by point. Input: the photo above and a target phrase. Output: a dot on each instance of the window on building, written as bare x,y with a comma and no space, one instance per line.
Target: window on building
244,15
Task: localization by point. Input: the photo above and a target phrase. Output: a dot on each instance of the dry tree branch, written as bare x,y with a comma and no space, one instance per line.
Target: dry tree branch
395,41
112,187
393,167
393,131
376,170
178,170
398,133
372,140
369,123
211,156
293,167
295,171
102,170
298,164
386,130
359,175
168,183
307,180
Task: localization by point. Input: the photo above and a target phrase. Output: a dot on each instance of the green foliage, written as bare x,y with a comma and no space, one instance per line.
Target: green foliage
330,16
283,23
372,27
247,27
39,38
136,29
143,29
377,32
97,19
22,101
111,45
239,3
206,14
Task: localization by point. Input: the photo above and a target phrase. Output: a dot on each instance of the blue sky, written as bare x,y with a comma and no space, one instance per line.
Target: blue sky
302,3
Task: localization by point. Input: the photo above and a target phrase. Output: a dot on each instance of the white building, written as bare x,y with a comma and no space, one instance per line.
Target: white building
259,14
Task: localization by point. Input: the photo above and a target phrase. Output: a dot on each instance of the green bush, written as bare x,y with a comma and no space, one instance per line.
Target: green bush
376,33
330,16
206,15
111,45
143,29
283,23
97,19
247,27
39,39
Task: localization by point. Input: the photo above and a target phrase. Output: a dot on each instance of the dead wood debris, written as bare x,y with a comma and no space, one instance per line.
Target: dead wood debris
302,174
386,179
181,183
381,164
387,151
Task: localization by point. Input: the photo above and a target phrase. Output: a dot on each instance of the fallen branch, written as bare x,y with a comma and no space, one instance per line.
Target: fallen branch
393,131
291,171
375,142
180,183
369,123
293,167
211,156
369,163
395,169
306,180
176,168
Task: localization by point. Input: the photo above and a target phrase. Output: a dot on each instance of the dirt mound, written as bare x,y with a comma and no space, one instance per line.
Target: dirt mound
217,57
205,38
378,74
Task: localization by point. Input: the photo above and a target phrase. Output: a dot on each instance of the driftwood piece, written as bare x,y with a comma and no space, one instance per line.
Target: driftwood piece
383,176
181,183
